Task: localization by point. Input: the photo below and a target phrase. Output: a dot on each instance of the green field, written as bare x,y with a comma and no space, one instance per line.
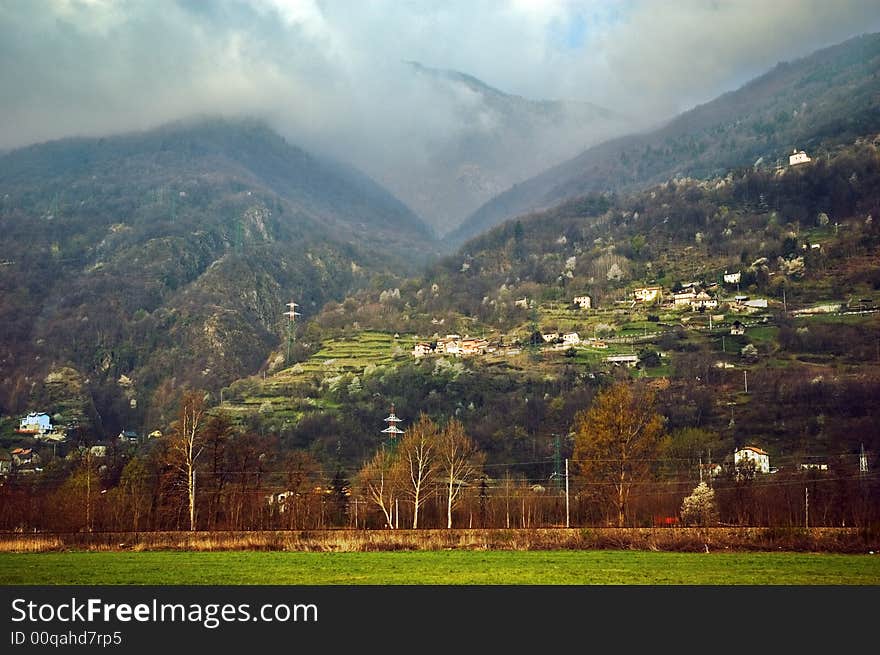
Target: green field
456,567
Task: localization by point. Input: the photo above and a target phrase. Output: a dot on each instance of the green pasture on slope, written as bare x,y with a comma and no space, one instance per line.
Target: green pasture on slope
457,567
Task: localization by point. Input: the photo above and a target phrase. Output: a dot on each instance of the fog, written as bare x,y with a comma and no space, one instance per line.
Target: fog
332,76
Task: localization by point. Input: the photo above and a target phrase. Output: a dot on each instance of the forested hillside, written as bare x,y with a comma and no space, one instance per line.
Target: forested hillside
827,98
138,265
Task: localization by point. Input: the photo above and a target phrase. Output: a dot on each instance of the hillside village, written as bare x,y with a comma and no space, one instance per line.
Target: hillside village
688,297
746,303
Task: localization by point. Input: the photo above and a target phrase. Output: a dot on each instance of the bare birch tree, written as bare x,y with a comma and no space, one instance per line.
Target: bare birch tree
187,443
380,481
416,458
460,463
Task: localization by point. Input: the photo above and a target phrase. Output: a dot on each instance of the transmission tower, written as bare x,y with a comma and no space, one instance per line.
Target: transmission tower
392,430
291,315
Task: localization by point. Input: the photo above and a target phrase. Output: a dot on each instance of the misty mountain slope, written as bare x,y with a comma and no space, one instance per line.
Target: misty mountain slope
484,141
334,193
820,100
157,261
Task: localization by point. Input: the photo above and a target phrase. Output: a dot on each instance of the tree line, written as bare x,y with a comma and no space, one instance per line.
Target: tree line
625,470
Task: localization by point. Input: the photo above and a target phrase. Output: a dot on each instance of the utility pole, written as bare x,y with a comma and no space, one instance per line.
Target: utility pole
291,315
701,469
507,500
746,380
557,457
567,522
88,488
806,507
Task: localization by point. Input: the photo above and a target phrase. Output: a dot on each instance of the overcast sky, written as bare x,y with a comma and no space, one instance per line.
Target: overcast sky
332,70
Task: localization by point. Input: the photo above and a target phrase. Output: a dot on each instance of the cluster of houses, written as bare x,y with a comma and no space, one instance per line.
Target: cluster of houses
455,345
458,346
22,460
758,460
698,297
39,427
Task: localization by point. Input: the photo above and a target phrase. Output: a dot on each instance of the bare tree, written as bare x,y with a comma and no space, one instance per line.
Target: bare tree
416,456
380,481
460,463
187,443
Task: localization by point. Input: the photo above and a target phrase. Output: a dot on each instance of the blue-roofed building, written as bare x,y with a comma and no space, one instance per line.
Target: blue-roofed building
35,423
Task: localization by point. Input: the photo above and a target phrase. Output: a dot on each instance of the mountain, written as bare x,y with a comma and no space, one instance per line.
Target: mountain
476,140
803,243
144,263
826,98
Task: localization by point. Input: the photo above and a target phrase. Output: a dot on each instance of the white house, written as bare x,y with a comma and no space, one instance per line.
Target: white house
737,328
647,294
522,302
755,454
583,302
683,298
421,349
571,338
628,360
797,157
549,336
35,423
732,278
703,301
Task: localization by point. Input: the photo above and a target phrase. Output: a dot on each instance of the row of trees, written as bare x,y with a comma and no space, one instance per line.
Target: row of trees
427,459
208,474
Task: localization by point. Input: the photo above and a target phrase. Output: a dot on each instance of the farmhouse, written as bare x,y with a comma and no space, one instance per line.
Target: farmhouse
628,360
798,157
449,345
703,301
24,458
422,348
473,346
732,278
647,294
683,298
571,338
737,328
583,302
754,454
548,337
128,436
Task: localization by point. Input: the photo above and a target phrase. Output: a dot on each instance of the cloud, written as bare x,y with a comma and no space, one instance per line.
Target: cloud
330,74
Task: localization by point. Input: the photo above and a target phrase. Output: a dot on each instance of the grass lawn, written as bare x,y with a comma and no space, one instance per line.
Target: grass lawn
457,567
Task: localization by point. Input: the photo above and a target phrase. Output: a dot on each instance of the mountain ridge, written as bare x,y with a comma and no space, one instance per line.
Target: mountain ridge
826,97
